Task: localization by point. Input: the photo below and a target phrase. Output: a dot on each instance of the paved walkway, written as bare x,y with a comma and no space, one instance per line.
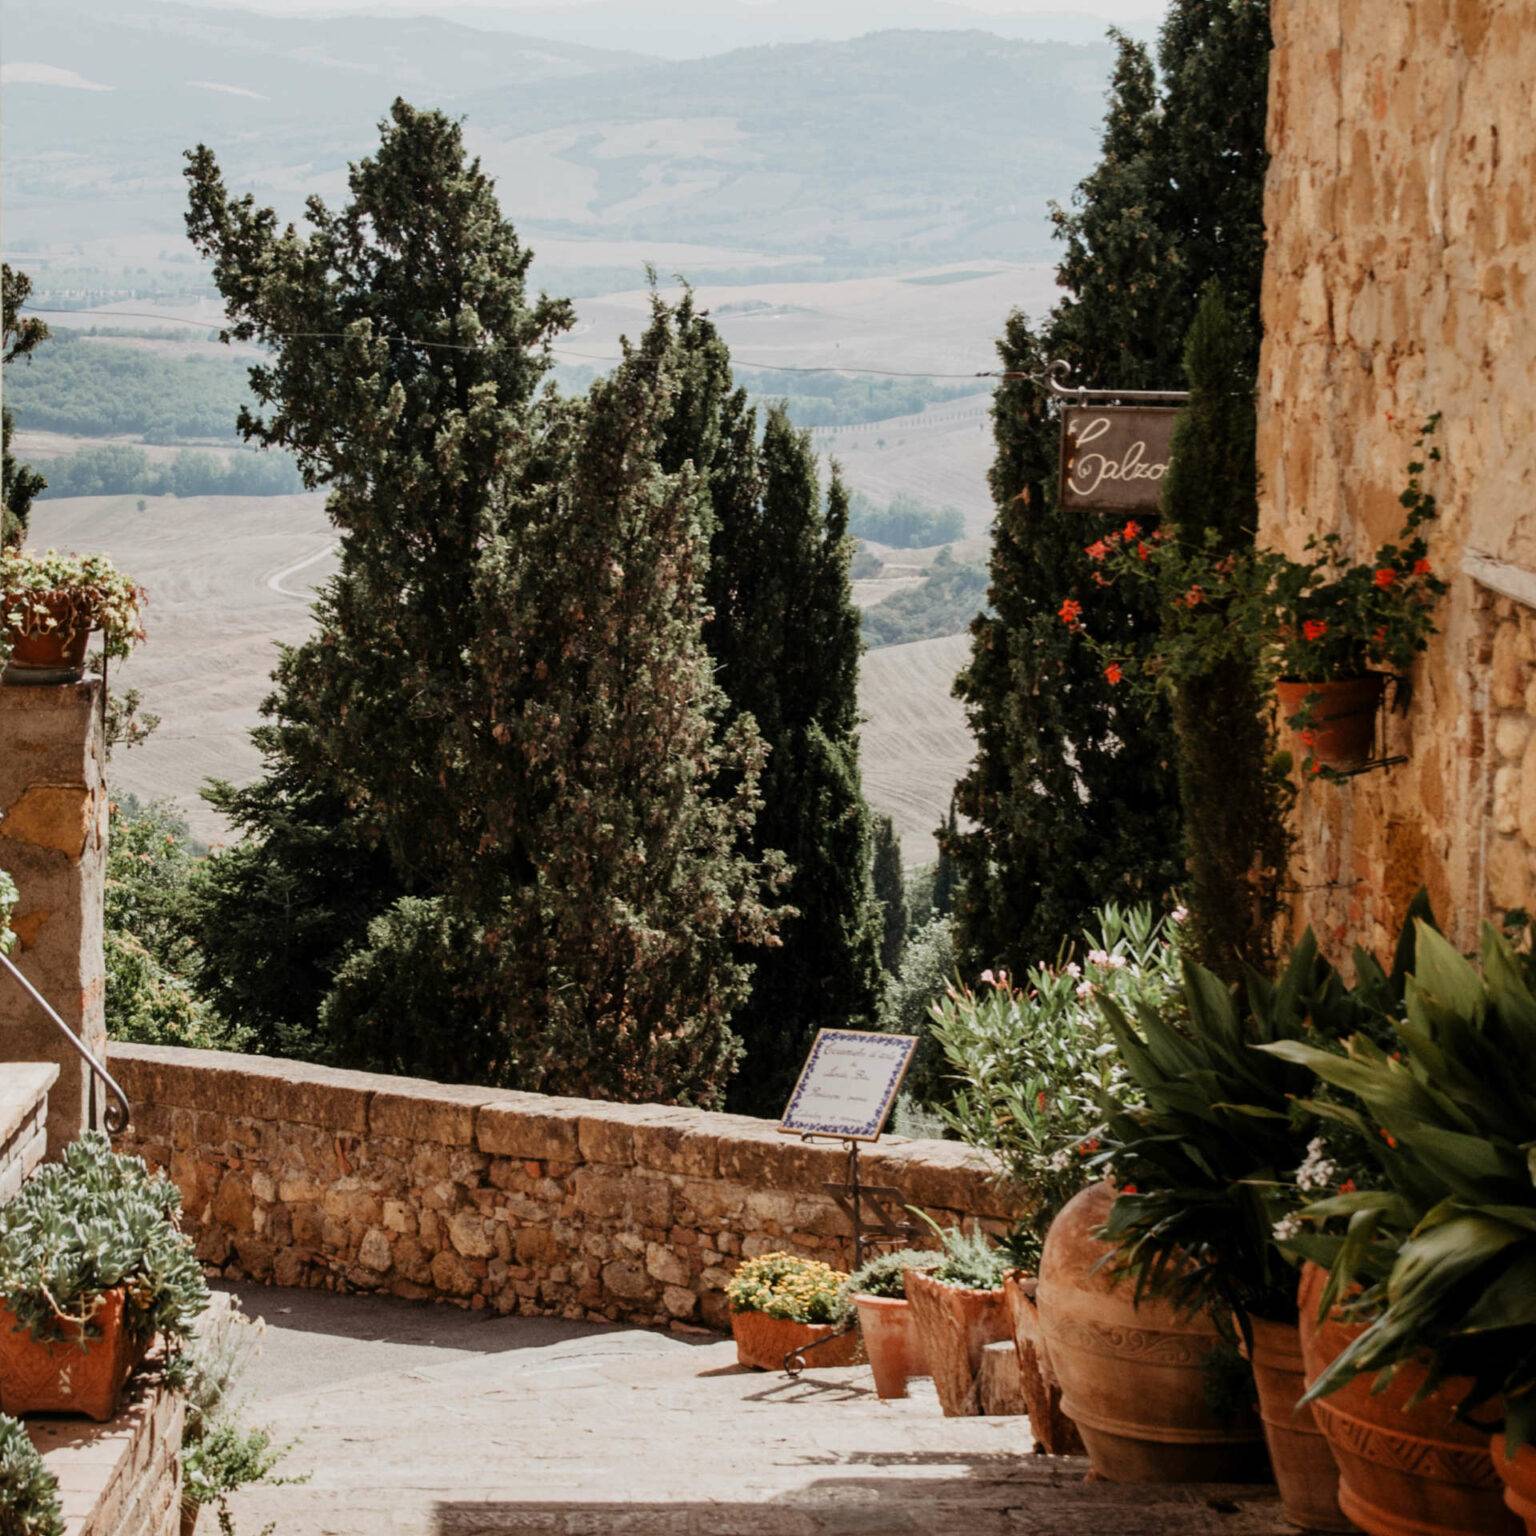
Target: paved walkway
428,1421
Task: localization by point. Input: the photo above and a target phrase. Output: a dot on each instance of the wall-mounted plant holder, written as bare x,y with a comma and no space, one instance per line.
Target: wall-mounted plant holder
1341,724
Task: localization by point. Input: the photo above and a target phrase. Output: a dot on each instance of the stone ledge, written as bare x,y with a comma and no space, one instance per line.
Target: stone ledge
121,1478
23,1121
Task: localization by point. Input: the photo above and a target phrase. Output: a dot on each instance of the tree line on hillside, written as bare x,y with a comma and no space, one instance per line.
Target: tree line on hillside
950,595
905,522
119,469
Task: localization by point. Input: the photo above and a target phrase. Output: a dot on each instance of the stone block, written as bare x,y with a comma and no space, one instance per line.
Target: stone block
530,1127
374,1251
418,1111
467,1232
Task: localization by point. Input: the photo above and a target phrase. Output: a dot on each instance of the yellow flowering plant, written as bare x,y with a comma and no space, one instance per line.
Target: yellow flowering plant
787,1286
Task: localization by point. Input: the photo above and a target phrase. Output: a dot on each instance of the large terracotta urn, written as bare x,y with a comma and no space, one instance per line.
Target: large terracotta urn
1055,1434
1303,1464
1519,1475
954,1324
1133,1377
1405,1468
890,1342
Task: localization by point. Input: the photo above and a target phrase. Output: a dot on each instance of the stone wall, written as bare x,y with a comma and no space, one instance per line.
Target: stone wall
23,1121
53,841
301,1175
1401,213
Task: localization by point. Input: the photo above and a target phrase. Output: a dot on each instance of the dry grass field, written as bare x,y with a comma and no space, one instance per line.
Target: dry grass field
230,577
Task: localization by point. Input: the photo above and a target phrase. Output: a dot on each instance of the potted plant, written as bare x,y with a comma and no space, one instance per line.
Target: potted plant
877,1291
49,606
1326,632
1032,1065
1188,1234
92,1267
1423,1273
782,1303
957,1310
29,1493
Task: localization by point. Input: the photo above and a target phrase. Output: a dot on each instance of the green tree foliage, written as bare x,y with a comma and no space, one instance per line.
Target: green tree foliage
22,333
784,635
1229,789
905,522
928,967
118,469
505,818
891,892
1072,799
951,595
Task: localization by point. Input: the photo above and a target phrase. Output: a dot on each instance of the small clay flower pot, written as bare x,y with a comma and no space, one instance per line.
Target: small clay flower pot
50,656
1518,1473
1307,1475
1055,1434
1343,730
890,1342
59,1376
953,1326
762,1342
1406,1468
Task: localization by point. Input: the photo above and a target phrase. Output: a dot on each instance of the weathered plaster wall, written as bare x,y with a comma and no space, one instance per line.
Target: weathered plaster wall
1401,210
302,1175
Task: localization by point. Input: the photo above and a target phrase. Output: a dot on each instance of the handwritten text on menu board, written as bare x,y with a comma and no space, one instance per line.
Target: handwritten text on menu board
848,1084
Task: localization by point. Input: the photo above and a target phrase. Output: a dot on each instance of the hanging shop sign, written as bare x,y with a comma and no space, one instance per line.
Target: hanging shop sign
1114,457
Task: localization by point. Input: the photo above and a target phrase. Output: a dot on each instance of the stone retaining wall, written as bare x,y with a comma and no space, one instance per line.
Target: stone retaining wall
301,1175
23,1120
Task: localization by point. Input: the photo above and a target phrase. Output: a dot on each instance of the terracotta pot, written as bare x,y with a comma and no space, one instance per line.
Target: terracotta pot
1519,1477
953,1326
190,1513
1403,1470
1054,1432
890,1342
52,656
762,1342
1343,713
1133,1377
60,1376
1303,1465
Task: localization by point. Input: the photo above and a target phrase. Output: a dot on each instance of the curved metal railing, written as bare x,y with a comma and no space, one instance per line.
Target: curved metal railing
115,1112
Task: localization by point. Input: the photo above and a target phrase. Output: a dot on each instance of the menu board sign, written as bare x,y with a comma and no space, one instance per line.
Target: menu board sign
848,1084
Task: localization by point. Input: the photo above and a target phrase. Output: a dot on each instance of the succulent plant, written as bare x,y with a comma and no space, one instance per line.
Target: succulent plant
29,1493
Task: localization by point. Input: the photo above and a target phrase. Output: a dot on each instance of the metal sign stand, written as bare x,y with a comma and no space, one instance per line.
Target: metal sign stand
885,1226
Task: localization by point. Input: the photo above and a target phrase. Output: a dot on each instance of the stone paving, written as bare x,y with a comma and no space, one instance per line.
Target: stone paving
429,1421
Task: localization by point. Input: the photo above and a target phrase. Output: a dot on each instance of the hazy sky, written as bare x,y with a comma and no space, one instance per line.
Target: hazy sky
892,11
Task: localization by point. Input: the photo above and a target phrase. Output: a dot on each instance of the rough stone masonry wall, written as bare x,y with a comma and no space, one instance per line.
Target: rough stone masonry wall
302,1175
1401,213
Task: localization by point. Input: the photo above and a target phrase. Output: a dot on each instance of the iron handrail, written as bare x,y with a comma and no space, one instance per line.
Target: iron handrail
114,1115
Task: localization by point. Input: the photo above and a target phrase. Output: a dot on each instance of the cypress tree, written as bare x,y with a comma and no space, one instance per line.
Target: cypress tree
1072,798
891,892
21,334
1231,794
784,635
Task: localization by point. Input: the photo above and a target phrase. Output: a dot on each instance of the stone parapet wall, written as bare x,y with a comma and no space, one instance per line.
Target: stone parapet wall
301,1175
23,1121
1400,210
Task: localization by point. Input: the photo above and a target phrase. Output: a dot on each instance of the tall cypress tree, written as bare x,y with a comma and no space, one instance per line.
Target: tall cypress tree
1072,798
1231,795
784,634
22,333
890,886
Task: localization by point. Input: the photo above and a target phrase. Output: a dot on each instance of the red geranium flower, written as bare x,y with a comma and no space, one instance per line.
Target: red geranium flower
1141,551
1132,530
1070,611
1314,629
1347,1187
1097,550
1422,567
1112,672
1194,597
1385,576
1309,738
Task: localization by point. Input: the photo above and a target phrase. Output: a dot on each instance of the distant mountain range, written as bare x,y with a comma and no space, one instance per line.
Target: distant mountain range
904,147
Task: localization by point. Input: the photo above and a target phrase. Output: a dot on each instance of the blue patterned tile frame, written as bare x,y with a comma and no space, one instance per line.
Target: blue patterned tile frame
885,1056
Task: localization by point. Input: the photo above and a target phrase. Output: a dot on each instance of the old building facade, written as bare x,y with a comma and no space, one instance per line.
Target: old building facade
1401,212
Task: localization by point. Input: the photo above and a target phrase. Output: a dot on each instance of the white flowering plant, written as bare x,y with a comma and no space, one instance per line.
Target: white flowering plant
8,900
1034,1065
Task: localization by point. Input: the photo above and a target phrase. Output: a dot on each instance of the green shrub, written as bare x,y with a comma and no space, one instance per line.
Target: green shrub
881,1275
29,1493
1031,1065
970,1260
927,967
87,1223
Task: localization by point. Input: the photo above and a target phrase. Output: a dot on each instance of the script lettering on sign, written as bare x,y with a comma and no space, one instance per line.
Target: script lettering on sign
1114,457
848,1084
